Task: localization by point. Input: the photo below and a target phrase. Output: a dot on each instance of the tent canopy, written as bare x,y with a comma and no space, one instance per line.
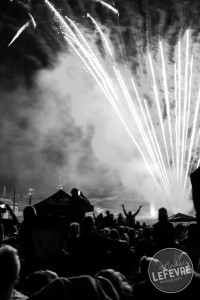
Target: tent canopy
179,217
61,204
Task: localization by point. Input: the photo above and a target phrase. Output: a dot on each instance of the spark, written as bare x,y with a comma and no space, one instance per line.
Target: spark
159,108
176,119
118,95
19,32
185,104
167,99
33,20
110,7
160,166
93,65
101,33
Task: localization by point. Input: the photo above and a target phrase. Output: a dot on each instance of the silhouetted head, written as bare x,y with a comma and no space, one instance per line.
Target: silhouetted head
74,192
9,270
121,230
107,213
162,214
119,282
87,225
37,280
147,233
74,229
131,233
114,234
144,265
29,213
130,213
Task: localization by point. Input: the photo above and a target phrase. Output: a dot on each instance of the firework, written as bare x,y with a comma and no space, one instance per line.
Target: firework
171,151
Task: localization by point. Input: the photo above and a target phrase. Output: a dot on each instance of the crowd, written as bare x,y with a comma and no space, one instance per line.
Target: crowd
96,257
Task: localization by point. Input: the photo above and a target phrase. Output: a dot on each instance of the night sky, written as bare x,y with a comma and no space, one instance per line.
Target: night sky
55,126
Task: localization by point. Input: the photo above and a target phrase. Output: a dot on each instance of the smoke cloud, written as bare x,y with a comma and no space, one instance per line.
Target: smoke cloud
55,121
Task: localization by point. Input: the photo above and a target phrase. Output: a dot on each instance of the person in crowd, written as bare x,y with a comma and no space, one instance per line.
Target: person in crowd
73,288
109,220
145,245
38,280
123,235
130,217
120,220
163,231
25,232
92,248
132,237
78,206
99,221
144,288
192,245
119,282
9,273
74,231
114,234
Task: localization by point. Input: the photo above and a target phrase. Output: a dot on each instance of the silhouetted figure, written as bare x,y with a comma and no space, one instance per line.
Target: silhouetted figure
120,220
9,272
109,219
123,235
114,234
145,246
163,231
132,237
92,248
74,231
130,217
38,280
192,245
119,282
25,233
73,288
99,220
78,206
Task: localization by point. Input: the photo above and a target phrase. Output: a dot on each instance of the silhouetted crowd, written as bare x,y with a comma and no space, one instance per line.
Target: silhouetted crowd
98,257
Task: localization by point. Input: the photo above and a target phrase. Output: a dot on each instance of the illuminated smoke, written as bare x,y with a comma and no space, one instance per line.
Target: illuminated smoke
138,30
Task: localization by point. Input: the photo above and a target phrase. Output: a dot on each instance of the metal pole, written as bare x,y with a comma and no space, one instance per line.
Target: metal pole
14,199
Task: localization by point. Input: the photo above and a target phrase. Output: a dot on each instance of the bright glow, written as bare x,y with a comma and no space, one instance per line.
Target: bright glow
161,136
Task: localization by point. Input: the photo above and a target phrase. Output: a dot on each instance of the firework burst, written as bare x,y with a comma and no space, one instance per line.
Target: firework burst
162,102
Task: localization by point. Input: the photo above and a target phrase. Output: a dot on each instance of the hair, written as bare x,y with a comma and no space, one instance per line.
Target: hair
37,280
9,267
87,225
74,192
119,282
74,229
114,234
162,214
29,213
144,265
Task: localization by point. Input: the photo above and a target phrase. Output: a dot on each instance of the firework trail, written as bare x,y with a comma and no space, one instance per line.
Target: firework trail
108,6
19,32
24,27
174,154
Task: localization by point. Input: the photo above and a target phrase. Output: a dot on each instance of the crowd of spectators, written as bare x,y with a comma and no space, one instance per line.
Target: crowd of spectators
99,257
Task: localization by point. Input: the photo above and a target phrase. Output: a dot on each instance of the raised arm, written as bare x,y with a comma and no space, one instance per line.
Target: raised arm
125,212
137,212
